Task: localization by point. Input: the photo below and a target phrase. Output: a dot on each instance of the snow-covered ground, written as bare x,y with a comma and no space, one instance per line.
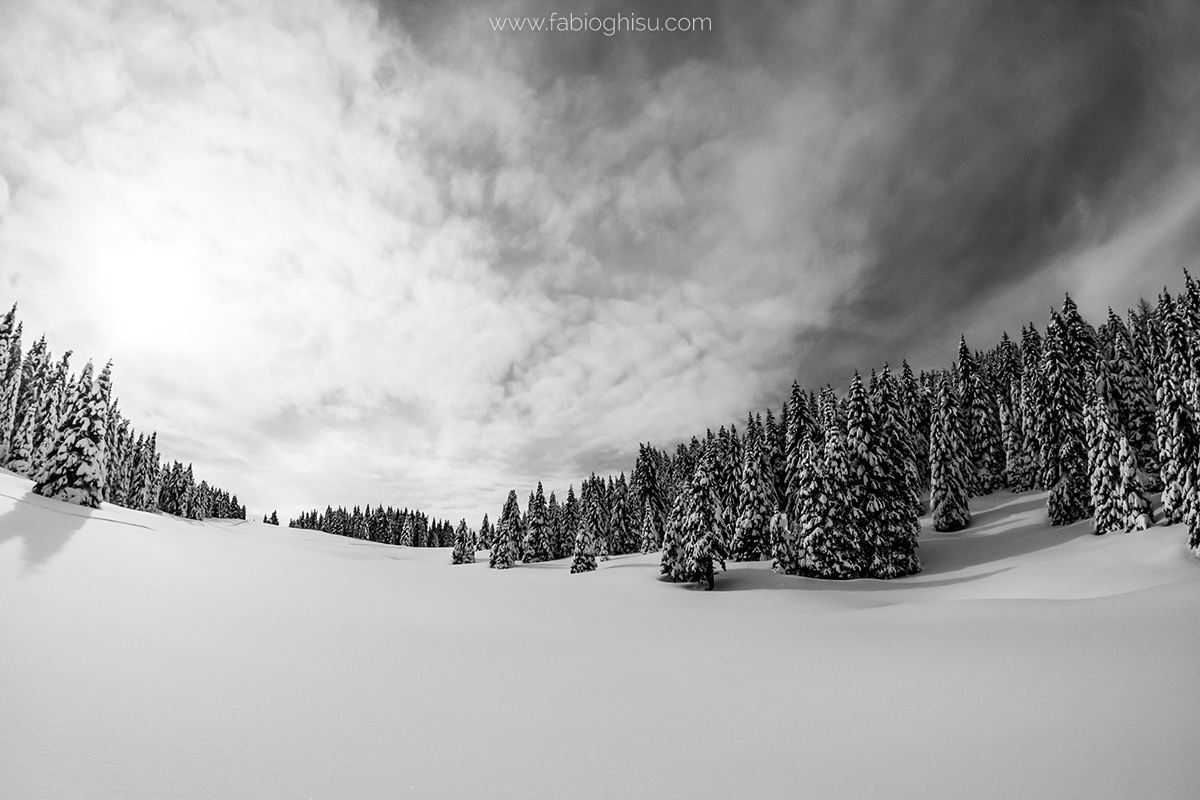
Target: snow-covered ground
149,657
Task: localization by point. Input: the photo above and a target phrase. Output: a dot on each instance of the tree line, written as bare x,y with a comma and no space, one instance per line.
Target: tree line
66,432
1106,419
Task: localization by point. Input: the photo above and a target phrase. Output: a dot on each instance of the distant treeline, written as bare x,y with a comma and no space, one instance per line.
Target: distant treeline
383,525
67,433
833,487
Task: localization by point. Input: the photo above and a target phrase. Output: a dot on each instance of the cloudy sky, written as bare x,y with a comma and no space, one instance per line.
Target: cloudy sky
344,251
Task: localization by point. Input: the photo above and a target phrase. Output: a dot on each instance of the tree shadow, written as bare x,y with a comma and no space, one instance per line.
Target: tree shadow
43,525
1013,526
1007,526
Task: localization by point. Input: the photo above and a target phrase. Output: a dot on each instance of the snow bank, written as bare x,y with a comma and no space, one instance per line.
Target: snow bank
148,657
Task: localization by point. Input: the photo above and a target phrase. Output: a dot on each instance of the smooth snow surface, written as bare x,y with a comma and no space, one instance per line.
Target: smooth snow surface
149,657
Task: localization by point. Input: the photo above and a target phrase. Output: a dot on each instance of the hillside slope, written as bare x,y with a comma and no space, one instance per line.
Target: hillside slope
143,656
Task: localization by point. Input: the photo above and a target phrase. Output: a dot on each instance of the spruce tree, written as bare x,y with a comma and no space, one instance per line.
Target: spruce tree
623,539
10,381
506,547
1104,458
865,476
536,546
832,548
584,555
948,461
464,546
485,535
750,538
894,551
1174,424
1136,513
1064,459
74,473
1032,406
570,523
704,549
673,560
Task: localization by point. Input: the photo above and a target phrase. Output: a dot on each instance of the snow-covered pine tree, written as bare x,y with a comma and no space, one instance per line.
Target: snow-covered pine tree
1019,470
1134,394
1104,462
832,548
10,381
704,549
914,401
584,555
1136,513
987,449
601,518
553,525
74,473
673,560
785,544
464,547
1064,458
506,547
35,376
485,535
1175,429
864,483
799,429
536,546
750,536
570,523
650,499
50,416
894,551
967,385
774,466
624,540
813,522
1032,405
948,460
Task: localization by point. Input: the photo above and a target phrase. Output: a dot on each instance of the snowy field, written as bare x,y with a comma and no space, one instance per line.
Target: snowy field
148,657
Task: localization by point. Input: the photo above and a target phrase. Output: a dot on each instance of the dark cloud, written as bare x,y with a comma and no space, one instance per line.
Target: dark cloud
981,142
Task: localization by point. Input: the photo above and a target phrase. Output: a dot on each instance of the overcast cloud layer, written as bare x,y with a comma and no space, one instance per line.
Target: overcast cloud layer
348,253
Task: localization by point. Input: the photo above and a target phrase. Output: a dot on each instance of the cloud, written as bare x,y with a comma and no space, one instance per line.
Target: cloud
349,253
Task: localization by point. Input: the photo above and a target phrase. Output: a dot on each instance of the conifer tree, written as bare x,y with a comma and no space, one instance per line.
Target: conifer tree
814,514
10,381
914,401
485,535
1064,460
1104,458
584,555
704,549
554,526
464,546
1136,513
774,467
1133,392
74,473
1175,429
1032,406
623,539
570,523
750,537
894,550
537,546
865,478
832,548
948,461
506,547
672,563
